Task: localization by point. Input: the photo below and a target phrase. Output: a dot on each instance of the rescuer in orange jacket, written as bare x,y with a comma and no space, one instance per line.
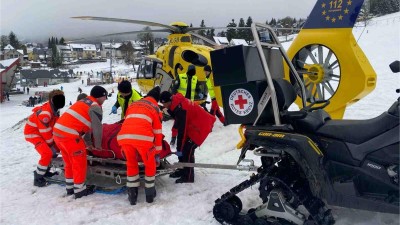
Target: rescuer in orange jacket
83,117
141,133
193,124
39,131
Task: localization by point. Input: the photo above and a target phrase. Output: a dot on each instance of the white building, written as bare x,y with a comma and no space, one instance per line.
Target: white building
221,40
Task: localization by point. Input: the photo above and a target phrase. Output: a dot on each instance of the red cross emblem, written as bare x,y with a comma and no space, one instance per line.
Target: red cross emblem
241,102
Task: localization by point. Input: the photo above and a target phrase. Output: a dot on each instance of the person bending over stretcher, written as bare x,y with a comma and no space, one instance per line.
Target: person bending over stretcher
111,149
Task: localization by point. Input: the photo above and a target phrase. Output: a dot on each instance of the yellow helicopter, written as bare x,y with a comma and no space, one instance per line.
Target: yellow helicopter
160,68
325,52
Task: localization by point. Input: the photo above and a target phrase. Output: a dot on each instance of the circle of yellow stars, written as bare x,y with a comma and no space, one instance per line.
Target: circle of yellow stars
340,17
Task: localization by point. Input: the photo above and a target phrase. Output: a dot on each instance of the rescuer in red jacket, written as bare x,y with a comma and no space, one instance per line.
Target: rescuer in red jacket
39,131
193,124
141,133
83,117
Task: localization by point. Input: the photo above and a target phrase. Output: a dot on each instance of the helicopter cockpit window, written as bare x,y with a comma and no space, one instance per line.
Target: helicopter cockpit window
148,73
186,39
194,58
145,69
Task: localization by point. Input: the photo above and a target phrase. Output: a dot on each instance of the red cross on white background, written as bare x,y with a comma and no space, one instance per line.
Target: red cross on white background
240,101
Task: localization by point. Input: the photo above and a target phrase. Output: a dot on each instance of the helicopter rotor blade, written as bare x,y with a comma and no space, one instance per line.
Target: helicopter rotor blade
236,28
141,22
137,32
204,39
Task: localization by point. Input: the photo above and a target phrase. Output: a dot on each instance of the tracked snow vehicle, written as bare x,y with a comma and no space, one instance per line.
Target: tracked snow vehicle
309,161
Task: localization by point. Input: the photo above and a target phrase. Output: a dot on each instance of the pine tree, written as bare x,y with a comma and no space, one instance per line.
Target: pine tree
14,40
241,33
202,32
49,43
248,34
231,33
147,37
4,41
62,41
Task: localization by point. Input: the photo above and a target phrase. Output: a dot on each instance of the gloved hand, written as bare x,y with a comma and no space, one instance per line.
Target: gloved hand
114,110
179,154
173,140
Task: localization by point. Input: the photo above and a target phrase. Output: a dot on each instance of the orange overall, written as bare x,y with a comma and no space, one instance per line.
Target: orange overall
80,118
39,131
141,133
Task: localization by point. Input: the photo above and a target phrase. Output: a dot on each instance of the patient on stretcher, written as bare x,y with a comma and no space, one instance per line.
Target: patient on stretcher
112,150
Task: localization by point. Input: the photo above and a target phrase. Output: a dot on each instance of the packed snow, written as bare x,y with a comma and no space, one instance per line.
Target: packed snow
22,203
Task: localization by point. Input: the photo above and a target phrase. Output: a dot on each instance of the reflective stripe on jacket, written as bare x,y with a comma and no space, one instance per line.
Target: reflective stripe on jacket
82,117
142,125
40,123
121,100
183,84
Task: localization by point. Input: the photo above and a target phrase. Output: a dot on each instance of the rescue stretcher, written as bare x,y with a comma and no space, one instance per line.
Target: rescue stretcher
108,173
106,168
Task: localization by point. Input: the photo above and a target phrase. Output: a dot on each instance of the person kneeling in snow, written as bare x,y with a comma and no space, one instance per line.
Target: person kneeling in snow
141,133
39,131
193,124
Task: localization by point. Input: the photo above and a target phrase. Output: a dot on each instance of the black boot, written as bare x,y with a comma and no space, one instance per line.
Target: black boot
176,174
70,191
132,195
90,189
150,194
38,180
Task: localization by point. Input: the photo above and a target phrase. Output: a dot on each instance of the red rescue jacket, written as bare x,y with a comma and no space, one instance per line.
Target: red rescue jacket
191,120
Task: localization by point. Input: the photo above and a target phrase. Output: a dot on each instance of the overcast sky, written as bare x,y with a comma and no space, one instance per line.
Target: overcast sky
33,19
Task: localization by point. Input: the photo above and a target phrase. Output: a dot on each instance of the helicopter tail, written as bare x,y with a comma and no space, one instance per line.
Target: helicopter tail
334,14
332,64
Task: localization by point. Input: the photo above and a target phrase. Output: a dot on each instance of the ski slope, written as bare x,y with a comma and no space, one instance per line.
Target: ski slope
22,203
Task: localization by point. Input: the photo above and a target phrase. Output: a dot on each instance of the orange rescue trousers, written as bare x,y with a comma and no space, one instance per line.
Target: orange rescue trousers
148,157
73,151
43,149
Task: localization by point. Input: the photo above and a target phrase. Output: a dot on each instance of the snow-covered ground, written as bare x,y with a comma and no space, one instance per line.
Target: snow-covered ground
22,203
